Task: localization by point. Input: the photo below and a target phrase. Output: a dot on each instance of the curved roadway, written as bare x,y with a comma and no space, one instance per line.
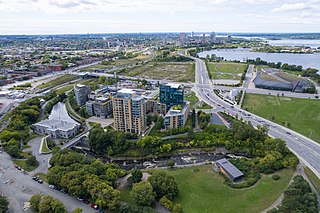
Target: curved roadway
307,150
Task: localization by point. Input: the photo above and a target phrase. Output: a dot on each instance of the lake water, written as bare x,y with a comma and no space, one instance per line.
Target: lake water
306,60
59,112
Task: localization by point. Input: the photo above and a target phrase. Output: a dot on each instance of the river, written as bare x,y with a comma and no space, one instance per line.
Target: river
306,60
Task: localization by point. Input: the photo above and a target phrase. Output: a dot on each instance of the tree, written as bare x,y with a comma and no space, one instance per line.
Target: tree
3,204
136,175
102,79
193,117
142,194
166,203
163,184
149,119
77,210
177,208
298,197
13,151
32,161
45,203
50,204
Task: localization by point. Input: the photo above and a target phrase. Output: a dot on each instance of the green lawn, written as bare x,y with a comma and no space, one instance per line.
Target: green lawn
64,89
313,178
23,165
125,196
60,80
45,148
42,176
204,191
303,115
226,70
192,98
203,105
173,71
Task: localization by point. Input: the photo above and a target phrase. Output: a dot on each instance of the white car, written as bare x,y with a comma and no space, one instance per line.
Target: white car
51,186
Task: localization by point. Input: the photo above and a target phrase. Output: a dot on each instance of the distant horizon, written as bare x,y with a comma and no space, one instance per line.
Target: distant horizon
164,32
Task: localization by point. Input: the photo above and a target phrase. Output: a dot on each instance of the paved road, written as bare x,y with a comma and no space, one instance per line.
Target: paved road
307,150
21,187
43,159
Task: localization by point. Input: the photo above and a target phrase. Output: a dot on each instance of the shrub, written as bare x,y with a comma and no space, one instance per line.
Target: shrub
275,177
166,203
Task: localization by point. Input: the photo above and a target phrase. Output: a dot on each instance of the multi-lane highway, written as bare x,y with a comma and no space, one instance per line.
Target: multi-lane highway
306,149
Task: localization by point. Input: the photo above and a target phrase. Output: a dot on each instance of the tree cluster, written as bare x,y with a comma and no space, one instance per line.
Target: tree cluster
18,129
165,56
159,186
298,197
45,203
3,204
109,141
54,101
278,65
86,178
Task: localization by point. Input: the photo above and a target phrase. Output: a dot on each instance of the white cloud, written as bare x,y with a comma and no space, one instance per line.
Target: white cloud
292,7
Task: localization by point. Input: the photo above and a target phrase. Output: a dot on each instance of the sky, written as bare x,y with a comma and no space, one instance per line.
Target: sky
125,16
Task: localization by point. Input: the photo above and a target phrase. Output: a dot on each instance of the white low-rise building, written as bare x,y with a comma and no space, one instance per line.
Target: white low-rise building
56,128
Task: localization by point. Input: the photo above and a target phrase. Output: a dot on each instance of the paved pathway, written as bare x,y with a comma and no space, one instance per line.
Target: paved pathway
299,171
42,159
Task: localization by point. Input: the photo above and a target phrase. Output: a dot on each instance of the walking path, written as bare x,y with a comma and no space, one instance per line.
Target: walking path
299,171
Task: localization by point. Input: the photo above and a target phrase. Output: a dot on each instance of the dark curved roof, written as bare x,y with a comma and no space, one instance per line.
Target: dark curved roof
277,85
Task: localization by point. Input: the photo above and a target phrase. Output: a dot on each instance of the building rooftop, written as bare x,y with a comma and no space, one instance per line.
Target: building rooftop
57,124
80,85
173,111
174,85
127,91
102,99
229,168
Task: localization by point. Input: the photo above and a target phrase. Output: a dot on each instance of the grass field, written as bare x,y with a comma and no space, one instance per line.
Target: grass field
303,115
125,196
203,105
66,88
267,77
119,62
313,178
23,165
178,72
204,191
58,81
45,148
226,70
288,76
192,98
42,176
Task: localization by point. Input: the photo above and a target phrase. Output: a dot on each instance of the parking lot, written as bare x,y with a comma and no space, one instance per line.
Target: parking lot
18,186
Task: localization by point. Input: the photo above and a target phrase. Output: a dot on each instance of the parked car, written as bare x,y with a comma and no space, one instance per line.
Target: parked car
40,181
79,198
35,178
51,186
94,206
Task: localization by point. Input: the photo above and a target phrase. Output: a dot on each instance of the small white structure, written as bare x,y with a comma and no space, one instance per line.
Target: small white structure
233,94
